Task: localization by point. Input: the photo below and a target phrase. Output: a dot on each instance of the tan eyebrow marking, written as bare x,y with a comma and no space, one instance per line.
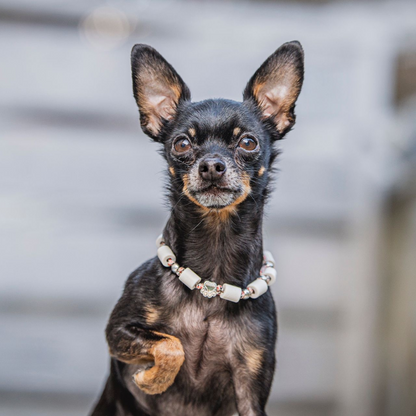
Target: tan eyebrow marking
192,132
261,171
171,170
236,131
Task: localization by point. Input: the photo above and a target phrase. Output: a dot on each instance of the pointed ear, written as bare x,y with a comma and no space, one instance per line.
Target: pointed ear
157,88
276,85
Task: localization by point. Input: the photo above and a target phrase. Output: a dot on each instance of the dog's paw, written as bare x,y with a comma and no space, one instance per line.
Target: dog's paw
168,359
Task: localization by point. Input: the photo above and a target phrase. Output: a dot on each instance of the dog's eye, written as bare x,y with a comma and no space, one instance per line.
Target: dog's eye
248,143
182,145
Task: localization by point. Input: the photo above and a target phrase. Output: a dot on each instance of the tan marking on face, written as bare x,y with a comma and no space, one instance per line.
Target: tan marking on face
261,171
243,196
152,315
254,358
221,214
168,358
192,132
236,131
172,170
186,192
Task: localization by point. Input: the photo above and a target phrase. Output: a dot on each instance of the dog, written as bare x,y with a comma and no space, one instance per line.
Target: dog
179,345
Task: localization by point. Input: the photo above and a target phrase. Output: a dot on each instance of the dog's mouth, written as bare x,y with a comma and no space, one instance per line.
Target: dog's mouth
215,196
229,191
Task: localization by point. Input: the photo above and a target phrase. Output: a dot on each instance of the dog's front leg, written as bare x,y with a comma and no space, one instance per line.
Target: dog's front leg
134,345
252,378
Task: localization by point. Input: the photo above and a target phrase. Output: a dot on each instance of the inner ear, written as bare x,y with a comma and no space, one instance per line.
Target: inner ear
276,85
157,88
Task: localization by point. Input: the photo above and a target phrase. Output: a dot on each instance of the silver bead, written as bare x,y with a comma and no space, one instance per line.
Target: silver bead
265,278
179,271
245,294
174,267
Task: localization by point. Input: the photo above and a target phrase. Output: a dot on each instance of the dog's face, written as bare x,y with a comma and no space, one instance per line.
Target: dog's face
219,152
216,148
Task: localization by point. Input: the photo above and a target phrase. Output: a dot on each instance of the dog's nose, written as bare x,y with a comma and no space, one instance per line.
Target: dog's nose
212,169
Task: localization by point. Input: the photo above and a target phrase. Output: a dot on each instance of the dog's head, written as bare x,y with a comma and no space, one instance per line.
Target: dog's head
218,151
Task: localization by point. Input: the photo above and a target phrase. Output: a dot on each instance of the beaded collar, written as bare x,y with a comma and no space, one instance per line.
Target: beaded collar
210,289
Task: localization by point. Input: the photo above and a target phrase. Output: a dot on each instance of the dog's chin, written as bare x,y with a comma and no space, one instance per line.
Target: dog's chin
216,198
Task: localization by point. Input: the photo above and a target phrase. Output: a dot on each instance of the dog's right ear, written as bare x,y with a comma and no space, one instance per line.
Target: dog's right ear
157,88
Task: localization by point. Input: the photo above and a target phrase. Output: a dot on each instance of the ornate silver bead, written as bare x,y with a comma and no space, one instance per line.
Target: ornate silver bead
174,267
209,289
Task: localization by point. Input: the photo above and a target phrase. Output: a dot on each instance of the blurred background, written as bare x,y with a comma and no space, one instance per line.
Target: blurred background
81,191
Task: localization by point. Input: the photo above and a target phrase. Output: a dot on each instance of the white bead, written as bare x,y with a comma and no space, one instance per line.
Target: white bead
189,278
259,287
270,272
165,253
268,257
159,240
231,292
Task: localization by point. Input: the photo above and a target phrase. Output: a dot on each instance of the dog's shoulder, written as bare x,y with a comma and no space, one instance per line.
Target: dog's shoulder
143,273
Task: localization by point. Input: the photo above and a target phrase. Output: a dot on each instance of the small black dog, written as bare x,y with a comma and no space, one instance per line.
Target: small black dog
174,351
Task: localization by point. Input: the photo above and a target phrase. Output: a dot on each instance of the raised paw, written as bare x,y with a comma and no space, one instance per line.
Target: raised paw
168,358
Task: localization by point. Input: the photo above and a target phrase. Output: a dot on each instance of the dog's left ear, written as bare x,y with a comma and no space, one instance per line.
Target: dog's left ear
276,85
157,88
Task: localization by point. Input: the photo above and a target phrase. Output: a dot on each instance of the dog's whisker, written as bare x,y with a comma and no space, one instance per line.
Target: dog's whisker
252,197
200,222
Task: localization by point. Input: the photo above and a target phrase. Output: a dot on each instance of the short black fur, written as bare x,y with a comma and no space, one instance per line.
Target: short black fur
173,351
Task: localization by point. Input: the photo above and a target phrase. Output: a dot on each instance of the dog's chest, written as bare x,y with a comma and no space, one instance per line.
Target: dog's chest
198,328
208,339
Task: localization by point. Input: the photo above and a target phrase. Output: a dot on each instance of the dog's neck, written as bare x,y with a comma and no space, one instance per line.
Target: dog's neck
224,247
